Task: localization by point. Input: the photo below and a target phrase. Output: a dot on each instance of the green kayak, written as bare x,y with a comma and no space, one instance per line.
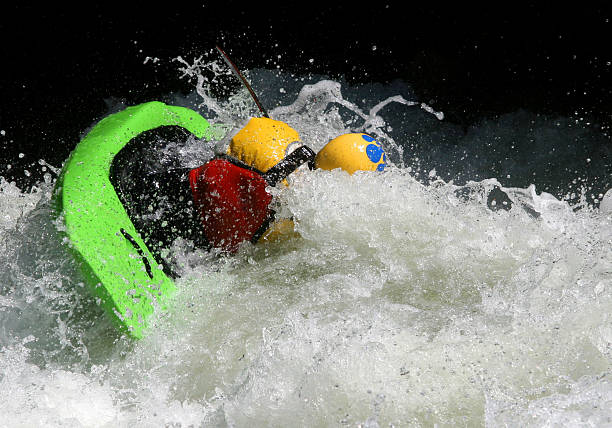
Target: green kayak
117,265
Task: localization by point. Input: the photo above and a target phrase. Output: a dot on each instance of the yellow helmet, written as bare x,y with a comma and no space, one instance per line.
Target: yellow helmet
352,152
262,143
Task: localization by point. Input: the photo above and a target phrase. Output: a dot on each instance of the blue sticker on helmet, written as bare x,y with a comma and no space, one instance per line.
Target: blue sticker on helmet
367,138
374,152
381,167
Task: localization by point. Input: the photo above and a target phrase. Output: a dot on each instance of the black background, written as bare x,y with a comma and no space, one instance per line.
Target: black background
60,64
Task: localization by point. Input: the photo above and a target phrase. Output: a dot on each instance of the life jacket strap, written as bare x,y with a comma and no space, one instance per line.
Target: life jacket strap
264,227
290,163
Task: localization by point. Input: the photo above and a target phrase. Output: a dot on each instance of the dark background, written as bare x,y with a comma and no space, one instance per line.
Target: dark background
59,65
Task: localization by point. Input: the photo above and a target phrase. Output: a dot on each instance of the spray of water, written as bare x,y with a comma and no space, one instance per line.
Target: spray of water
403,301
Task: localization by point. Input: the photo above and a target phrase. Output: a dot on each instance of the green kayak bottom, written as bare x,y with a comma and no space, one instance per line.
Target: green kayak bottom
119,268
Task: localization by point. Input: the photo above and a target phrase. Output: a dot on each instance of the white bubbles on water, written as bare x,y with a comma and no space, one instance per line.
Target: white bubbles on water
606,202
403,301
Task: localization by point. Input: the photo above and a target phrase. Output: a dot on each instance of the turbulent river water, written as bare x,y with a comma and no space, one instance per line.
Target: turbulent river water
469,284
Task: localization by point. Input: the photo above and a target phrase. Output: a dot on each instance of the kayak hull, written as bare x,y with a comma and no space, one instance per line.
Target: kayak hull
117,265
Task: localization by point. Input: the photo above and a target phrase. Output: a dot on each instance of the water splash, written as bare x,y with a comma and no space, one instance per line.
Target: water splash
404,301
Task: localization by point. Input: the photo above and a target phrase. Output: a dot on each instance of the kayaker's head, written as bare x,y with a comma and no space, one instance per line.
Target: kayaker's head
262,143
352,152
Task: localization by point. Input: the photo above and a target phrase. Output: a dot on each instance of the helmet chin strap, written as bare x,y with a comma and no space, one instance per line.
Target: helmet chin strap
238,74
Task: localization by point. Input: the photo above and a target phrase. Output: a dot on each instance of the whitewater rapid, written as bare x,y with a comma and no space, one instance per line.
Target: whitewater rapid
410,298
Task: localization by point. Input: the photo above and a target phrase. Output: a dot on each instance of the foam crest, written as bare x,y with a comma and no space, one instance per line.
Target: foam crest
406,300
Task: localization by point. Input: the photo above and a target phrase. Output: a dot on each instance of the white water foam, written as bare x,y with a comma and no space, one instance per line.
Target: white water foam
401,303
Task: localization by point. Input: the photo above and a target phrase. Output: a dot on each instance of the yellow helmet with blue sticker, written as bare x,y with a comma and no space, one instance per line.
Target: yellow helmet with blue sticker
352,152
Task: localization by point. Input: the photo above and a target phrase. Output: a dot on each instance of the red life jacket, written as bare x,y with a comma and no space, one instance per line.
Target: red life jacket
232,200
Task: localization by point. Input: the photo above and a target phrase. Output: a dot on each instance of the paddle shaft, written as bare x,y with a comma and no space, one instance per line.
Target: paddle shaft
237,72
